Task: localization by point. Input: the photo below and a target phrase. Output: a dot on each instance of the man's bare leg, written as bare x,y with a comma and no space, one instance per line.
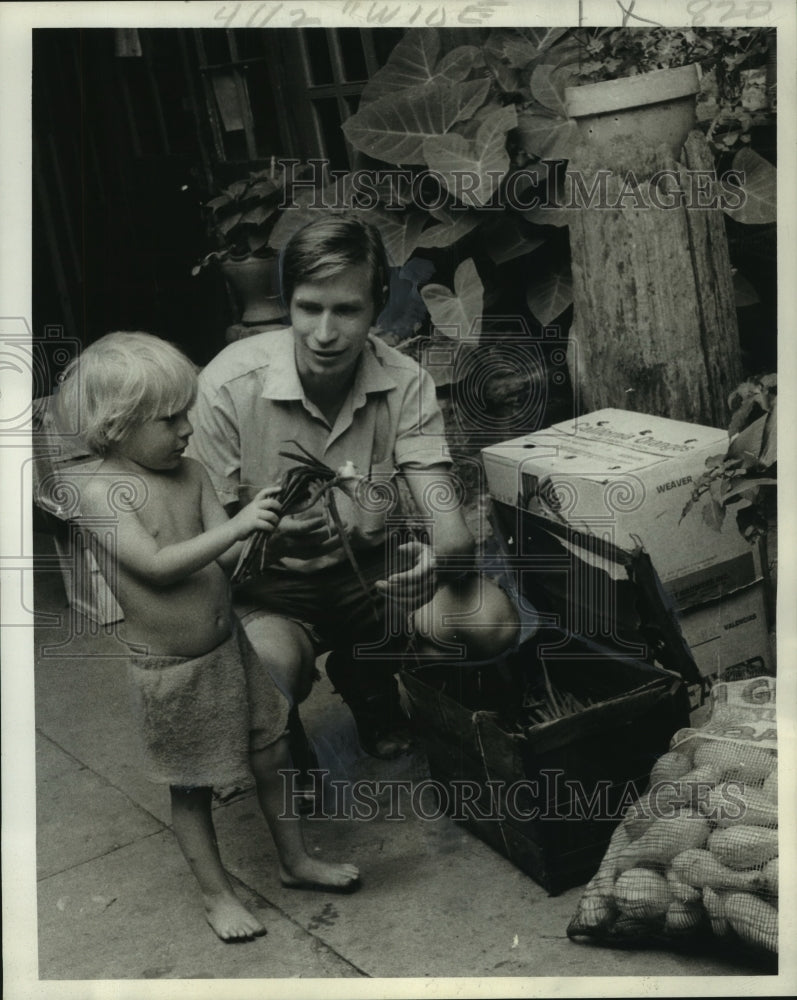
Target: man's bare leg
297,869
473,614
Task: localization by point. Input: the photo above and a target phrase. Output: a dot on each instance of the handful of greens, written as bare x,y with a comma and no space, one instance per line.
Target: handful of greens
302,487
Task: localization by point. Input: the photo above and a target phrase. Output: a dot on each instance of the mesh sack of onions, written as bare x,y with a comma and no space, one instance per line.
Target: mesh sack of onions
695,859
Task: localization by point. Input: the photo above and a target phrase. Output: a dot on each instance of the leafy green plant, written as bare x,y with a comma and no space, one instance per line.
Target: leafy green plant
747,471
241,217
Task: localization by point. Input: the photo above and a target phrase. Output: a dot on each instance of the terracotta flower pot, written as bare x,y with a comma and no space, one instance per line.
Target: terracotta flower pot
657,107
255,284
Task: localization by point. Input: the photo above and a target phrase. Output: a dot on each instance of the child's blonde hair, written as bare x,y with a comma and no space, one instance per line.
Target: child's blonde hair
122,380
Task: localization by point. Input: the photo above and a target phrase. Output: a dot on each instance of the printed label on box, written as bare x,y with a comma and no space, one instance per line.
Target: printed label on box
729,632
631,476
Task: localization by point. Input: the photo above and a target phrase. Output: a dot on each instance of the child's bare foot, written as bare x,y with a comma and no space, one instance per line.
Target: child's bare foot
230,919
309,873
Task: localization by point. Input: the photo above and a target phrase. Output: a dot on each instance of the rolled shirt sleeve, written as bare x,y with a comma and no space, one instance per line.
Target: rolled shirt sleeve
420,429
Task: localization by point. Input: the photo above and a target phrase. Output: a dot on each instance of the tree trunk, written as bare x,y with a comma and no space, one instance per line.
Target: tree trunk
654,315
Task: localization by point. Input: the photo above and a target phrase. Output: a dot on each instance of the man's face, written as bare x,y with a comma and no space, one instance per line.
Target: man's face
331,319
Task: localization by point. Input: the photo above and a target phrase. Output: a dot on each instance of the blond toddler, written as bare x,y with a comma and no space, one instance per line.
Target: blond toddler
207,709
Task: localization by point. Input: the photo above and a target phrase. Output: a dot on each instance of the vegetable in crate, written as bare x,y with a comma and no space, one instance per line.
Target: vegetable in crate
548,702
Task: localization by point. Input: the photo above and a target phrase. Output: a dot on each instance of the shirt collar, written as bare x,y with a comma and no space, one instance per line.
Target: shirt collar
281,379
371,374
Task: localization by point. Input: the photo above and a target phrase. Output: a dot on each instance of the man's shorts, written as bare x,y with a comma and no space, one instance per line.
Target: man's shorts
336,608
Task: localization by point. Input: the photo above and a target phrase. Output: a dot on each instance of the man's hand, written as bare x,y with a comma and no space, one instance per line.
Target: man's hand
413,582
304,535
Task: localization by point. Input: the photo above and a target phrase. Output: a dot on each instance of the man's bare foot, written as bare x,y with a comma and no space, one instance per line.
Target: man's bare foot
230,919
321,875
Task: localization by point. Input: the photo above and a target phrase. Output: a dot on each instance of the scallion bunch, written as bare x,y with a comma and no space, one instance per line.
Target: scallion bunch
303,485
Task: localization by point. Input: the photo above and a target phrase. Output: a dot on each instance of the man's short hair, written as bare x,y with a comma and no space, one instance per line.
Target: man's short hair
120,381
329,245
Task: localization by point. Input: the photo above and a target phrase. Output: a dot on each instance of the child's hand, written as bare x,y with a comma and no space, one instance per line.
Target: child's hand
261,514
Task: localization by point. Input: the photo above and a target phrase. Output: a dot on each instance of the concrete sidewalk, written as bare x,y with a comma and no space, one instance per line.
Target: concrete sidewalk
116,901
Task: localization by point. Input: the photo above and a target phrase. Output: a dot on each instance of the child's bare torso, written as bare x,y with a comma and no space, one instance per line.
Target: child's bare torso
185,618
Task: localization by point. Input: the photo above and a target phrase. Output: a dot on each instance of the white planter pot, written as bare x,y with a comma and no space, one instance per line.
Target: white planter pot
657,107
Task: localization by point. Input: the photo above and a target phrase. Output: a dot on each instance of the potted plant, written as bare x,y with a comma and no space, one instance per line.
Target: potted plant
240,219
657,106
645,81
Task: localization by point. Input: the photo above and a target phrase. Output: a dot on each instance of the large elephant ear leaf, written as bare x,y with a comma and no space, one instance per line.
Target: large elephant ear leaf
472,170
549,297
300,211
505,240
457,64
414,62
400,232
548,82
457,318
519,49
457,315
395,127
759,188
451,228
544,38
547,136
411,64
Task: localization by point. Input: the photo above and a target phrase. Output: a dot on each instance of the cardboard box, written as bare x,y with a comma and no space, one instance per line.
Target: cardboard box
730,634
627,477
548,796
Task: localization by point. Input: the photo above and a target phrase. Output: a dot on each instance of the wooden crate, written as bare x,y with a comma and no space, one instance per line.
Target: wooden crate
587,766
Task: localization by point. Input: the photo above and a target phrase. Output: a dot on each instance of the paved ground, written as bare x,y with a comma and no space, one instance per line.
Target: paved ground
115,901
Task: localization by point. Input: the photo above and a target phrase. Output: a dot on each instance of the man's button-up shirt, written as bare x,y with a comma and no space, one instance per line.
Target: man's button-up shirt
251,405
